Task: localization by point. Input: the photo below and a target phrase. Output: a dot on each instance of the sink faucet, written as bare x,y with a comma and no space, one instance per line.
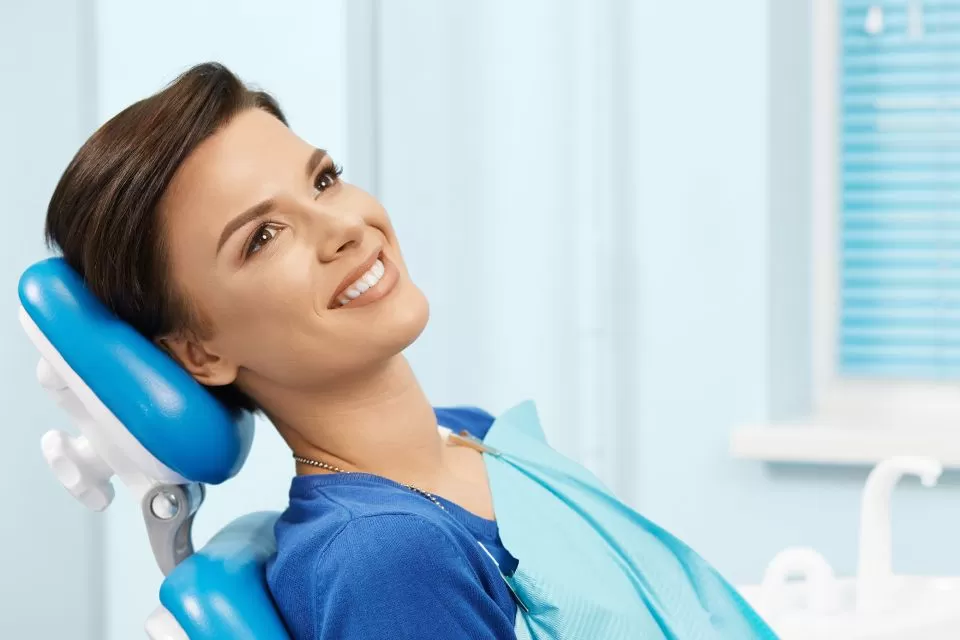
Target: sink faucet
874,570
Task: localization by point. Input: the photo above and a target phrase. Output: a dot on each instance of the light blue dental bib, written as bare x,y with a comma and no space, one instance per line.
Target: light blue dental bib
590,566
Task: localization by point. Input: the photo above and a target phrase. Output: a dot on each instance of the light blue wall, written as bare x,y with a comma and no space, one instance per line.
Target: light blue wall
50,583
700,99
495,121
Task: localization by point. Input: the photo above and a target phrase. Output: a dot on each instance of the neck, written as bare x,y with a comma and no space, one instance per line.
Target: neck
380,423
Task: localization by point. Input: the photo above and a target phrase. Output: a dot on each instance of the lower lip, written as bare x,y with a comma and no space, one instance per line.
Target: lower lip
378,291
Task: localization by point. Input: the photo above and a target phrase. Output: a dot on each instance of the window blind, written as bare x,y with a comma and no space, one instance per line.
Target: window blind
899,93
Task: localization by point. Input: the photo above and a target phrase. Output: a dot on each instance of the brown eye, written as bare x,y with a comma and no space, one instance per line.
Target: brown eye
264,234
327,178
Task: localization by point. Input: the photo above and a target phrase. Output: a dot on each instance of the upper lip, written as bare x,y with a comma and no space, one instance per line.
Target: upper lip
352,277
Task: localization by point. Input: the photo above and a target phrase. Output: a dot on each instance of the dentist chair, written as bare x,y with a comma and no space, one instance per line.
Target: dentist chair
143,419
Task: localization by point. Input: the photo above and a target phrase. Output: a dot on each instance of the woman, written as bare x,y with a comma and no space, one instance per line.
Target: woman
202,220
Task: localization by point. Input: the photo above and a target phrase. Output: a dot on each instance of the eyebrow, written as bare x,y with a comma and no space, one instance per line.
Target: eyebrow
314,160
264,207
254,212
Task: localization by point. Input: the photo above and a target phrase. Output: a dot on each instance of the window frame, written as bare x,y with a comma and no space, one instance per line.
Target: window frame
841,401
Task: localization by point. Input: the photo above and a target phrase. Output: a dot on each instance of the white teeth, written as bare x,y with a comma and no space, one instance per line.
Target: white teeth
363,283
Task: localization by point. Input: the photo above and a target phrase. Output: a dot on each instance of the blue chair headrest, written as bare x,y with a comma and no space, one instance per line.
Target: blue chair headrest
168,412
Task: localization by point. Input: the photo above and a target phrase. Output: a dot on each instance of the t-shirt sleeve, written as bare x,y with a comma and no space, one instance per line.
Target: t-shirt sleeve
402,576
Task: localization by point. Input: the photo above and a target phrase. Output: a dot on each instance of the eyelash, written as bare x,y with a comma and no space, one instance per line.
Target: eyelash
254,239
331,173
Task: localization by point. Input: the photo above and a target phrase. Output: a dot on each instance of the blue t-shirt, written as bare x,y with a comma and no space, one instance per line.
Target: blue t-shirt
363,557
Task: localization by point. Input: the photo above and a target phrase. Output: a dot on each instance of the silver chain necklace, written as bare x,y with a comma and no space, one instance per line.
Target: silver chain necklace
330,467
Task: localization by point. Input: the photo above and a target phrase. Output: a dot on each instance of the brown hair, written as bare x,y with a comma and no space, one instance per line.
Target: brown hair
103,214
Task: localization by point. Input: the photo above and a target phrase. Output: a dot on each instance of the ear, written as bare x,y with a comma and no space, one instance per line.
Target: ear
204,365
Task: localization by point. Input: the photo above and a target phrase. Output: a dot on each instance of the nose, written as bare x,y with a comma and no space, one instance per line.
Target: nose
337,232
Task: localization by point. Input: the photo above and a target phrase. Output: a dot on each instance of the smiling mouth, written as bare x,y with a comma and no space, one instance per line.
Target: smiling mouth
361,282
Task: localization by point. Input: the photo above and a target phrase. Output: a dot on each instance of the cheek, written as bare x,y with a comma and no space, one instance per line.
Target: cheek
284,314
257,316
282,341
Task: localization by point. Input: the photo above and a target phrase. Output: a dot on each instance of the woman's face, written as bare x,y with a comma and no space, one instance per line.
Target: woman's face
298,273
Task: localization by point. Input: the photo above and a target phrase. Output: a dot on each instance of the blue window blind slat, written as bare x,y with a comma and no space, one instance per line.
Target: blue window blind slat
898,19
900,228
905,344
918,304
900,366
891,283
912,321
890,181
857,40
929,146
853,203
926,161
909,168
853,103
904,120
866,80
922,61
908,262
899,99
859,7
853,242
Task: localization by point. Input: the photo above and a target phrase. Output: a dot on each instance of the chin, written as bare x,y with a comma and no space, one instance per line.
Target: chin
409,319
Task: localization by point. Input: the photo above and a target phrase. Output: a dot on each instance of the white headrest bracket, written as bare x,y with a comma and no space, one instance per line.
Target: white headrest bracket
86,463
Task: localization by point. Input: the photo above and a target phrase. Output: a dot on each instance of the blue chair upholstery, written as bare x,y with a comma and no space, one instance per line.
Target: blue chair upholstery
158,402
219,592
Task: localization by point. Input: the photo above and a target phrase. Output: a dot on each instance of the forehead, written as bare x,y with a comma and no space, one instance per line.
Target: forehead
251,158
